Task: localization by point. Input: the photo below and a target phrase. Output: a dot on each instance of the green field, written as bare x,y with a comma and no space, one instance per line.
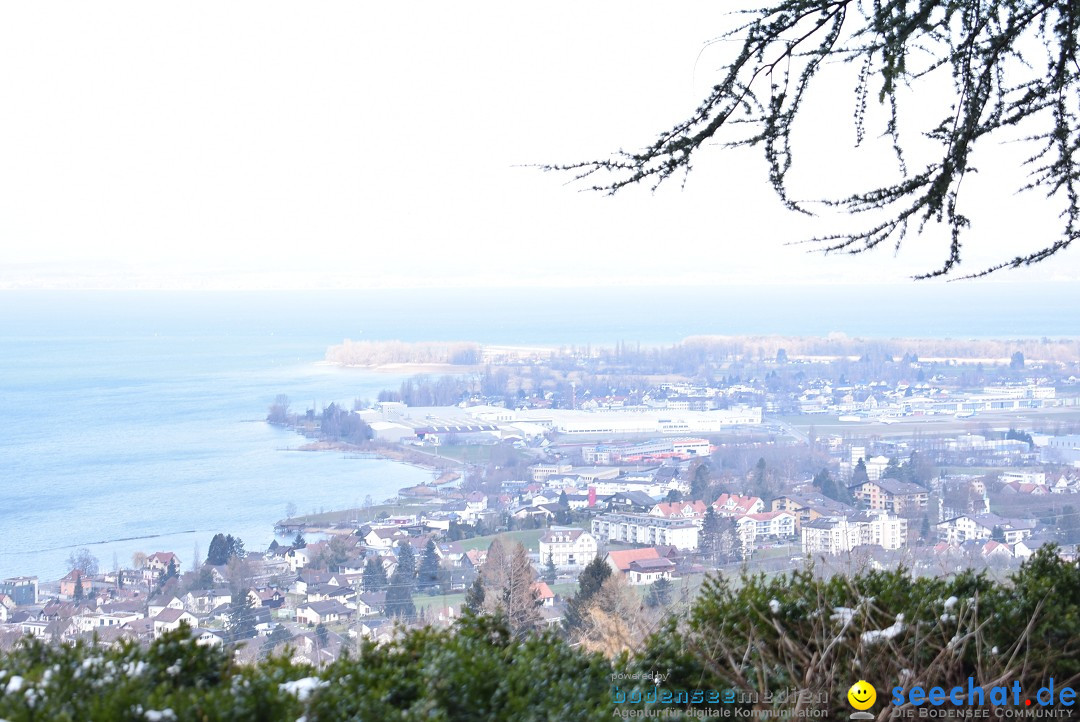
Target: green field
362,515
530,538
566,589
438,601
466,453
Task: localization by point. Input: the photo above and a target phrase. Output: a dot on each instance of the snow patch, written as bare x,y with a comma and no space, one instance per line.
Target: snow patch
14,685
877,635
774,606
951,602
842,614
303,688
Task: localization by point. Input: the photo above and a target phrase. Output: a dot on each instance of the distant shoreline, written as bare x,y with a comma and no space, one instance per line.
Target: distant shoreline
432,357
415,367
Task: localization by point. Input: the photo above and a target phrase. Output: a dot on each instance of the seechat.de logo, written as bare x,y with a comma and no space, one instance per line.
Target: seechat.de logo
862,696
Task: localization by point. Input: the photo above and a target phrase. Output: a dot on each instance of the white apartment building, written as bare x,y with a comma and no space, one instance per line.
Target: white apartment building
752,528
1024,477
653,488
567,548
981,526
645,529
875,465
540,472
838,534
1061,450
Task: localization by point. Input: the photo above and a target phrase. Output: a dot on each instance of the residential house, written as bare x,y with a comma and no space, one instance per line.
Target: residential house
157,606
209,637
473,559
270,598
630,501
539,511
370,603
158,562
143,629
451,554
205,600
324,612
23,590
379,630
649,571
73,579
1019,487
996,550
35,627
567,547
343,594
809,508
1024,548
891,495
89,621
544,595
733,505
298,558
966,527
475,503
384,538
310,580
643,566
679,510
170,620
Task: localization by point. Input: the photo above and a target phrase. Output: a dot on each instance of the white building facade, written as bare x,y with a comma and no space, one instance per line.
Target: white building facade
567,548
837,535
645,529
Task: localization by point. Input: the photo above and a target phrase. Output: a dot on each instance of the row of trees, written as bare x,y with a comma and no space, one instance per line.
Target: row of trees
224,547
407,579
506,586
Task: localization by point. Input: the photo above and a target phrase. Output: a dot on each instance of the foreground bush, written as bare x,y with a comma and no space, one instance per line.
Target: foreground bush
765,637
796,631
477,672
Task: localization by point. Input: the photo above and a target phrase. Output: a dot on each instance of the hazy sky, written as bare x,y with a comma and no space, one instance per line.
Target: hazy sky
210,144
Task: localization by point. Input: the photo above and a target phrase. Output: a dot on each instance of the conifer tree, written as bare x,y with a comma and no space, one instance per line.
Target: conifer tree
474,598
659,594
374,578
406,563
859,475
550,572
241,618
590,580
399,596
428,575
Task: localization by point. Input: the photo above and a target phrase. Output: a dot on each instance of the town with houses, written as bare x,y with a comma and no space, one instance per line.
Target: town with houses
664,485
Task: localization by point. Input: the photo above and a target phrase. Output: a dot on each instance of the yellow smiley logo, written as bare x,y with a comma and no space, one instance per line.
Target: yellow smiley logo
862,695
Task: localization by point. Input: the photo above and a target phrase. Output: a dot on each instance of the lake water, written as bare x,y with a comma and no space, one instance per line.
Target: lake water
132,421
